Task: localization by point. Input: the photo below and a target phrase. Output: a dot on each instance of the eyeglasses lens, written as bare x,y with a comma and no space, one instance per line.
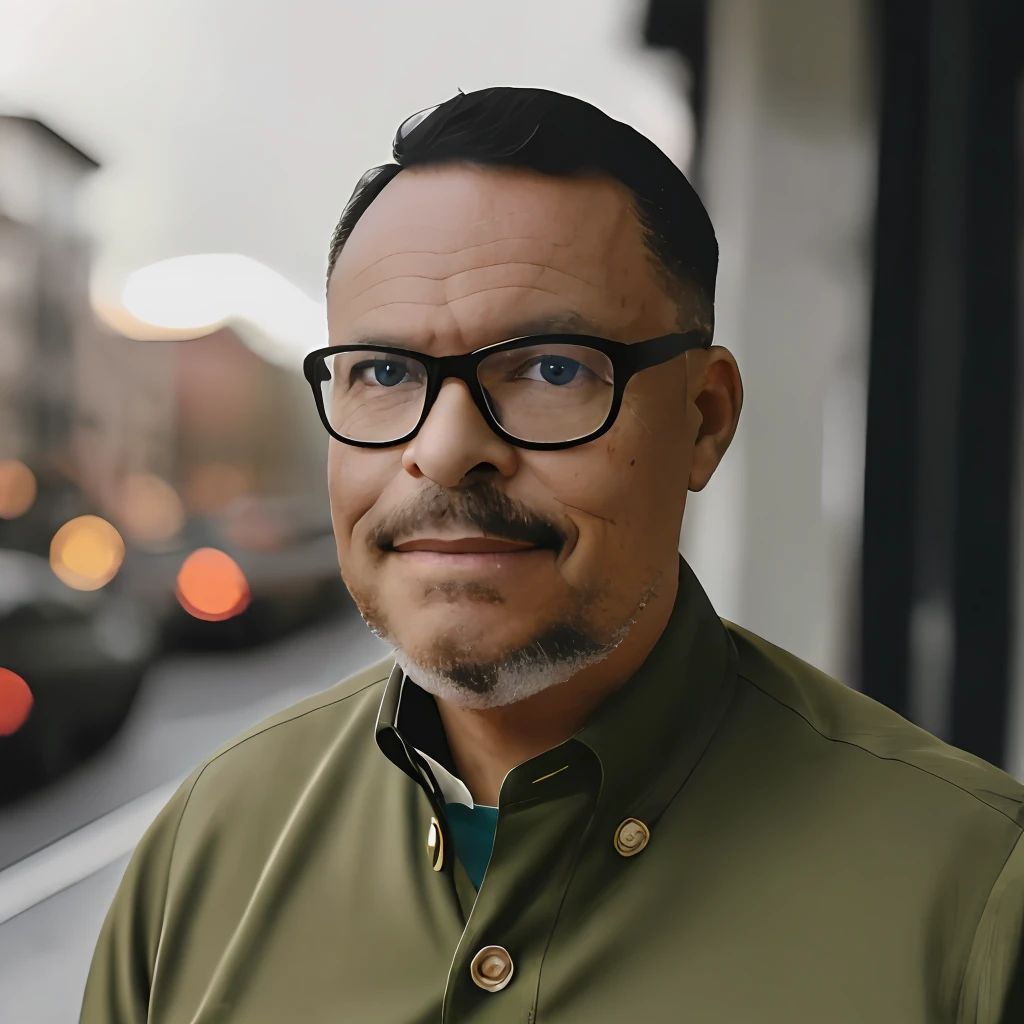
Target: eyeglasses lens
545,393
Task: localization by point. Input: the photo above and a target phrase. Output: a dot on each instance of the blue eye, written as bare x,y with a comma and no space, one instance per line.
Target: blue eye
557,369
387,372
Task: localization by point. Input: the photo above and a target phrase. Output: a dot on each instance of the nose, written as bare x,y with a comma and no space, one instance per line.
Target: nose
455,440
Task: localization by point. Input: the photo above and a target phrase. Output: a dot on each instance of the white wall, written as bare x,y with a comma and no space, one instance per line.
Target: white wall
789,178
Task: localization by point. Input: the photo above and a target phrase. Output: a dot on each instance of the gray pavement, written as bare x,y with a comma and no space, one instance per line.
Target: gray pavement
189,705
45,952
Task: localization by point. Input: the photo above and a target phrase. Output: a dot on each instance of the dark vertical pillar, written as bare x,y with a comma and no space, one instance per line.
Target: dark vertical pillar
682,25
942,406
889,503
987,449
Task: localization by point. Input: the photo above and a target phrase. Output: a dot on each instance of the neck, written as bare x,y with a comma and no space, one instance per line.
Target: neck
486,744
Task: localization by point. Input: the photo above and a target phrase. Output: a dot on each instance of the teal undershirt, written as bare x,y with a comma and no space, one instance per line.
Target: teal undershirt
473,834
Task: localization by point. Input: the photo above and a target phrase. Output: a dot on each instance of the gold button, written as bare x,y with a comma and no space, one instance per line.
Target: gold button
492,968
631,837
435,844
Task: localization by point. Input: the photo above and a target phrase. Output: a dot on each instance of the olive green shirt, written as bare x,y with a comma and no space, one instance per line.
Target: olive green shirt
811,857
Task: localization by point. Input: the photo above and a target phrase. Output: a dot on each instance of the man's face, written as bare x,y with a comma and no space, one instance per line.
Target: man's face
451,259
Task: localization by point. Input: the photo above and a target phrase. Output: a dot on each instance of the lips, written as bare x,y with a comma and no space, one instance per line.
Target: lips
464,545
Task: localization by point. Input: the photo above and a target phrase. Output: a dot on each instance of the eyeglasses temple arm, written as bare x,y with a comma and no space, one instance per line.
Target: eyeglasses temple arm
660,350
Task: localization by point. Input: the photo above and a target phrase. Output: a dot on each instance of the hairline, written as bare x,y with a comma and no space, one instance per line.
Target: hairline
679,287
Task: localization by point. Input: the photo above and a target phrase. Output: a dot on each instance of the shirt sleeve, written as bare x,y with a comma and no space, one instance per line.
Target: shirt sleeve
121,975
993,986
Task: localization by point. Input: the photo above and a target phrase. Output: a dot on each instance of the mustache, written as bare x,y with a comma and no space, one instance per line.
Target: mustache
484,507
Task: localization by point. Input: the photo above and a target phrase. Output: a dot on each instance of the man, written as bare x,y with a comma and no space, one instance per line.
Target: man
574,793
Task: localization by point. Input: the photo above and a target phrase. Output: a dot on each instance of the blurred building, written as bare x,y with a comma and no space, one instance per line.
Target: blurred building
78,405
87,408
126,415
245,427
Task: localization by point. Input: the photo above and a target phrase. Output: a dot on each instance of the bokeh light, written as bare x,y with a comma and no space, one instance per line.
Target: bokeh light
211,586
15,702
86,553
273,316
213,485
18,488
149,509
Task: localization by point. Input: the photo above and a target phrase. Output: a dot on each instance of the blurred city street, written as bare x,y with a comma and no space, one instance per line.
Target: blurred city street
170,177
187,707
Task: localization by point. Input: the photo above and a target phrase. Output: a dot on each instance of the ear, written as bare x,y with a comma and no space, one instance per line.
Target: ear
717,394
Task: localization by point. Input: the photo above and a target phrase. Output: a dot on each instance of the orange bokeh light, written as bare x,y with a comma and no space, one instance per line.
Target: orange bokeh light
15,702
149,508
211,586
86,553
18,488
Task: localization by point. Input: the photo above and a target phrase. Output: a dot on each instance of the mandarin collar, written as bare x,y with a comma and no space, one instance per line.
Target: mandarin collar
650,733
646,736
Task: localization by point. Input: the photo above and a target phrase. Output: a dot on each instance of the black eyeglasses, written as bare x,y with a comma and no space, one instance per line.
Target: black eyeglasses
543,393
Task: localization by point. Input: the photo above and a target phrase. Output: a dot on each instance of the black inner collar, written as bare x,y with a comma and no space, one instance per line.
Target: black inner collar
419,724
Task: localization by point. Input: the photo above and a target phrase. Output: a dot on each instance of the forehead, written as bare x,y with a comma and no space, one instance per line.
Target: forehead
466,253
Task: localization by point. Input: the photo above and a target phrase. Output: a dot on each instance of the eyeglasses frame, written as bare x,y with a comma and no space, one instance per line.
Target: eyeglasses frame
627,361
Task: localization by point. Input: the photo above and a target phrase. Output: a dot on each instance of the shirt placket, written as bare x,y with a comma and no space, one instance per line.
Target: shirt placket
545,811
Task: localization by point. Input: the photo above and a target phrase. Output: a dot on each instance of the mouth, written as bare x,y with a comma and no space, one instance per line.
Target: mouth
465,546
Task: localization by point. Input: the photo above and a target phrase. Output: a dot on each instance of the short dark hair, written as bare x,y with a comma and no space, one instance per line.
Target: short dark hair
560,135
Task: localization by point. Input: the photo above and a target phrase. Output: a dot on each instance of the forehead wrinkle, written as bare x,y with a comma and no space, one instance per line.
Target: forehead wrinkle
560,321
462,273
468,295
568,321
449,267
543,268
450,302
596,228
542,271
458,249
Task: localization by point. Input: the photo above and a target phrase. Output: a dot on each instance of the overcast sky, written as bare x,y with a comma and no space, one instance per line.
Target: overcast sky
242,125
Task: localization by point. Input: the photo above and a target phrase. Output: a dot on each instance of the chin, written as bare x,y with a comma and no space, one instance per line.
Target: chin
478,636
491,677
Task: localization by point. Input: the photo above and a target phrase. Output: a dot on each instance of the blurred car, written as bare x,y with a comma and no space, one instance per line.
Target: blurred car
83,656
288,560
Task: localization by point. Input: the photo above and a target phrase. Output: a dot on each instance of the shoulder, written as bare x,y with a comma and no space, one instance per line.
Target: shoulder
273,760
945,823
825,711
993,982
220,827
345,699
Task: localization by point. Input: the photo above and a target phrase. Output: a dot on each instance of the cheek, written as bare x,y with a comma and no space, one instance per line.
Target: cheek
597,483
656,441
627,489
356,478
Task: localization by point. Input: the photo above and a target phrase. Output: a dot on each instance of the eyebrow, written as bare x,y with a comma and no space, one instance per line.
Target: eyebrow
567,322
